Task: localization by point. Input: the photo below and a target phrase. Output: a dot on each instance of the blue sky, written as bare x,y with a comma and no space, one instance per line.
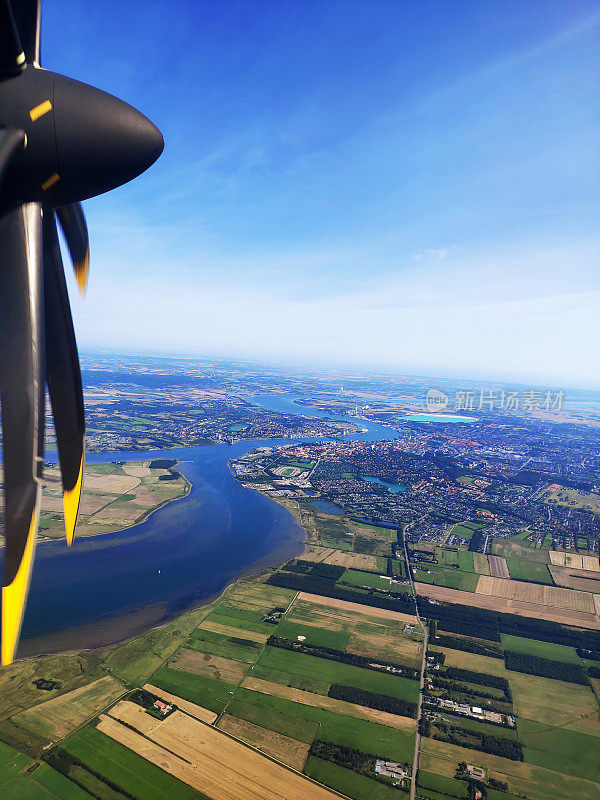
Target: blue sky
412,185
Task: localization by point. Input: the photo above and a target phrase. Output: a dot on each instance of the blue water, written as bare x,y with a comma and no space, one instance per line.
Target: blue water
237,427
327,507
106,588
394,488
437,418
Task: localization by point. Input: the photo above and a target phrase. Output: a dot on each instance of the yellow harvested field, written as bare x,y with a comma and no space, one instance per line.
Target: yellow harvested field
357,608
480,563
554,596
383,645
190,708
528,780
557,558
317,553
288,751
58,717
475,662
352,560
574,560
329,703
511,606
564,705
223,669
591,563
239,633
213,763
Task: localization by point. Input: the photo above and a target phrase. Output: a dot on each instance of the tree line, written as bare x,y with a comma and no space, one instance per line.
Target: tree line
381,702
320,651
545,667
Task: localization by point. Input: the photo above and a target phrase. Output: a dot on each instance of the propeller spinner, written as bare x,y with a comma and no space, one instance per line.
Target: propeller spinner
61,142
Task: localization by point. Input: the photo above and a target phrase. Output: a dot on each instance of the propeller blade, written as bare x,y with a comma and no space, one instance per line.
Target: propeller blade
21,389
12,57
27,19
63,376
11,142
72,222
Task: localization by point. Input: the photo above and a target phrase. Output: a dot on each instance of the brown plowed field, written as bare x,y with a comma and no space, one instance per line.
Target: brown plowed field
357,608
213,763
584,580
288,751
223,669
509,606
238,633
330,704
554,596
352,560
498,567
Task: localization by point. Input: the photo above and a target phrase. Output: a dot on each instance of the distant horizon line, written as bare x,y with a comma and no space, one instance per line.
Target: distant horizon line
371,370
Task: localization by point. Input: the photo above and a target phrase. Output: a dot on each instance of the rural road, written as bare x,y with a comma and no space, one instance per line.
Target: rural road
415,763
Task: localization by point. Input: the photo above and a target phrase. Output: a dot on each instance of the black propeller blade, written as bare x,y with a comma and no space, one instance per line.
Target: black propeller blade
60,143
72,222
21,393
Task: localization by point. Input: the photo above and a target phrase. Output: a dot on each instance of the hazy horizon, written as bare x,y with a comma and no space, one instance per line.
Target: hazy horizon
405,184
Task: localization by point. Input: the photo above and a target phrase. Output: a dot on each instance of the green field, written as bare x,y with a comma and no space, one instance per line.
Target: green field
303,730
465,561
321,637
126,769
442,784
447,576
349,783
227,646
533,571
289,679
369,737
562,750
43,782
220,617
136,659
206,692
356,577
321,669
555,652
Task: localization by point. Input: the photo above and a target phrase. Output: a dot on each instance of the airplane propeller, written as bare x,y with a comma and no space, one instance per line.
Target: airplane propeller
61,142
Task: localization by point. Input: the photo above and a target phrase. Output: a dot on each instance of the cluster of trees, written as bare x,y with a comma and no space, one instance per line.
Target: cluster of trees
63,761
142,698
468,675
316,570
348,757
545,667
484,624
451,690
444,731
593,672
328,588
338,655
500,786
481,648
381,702
162,463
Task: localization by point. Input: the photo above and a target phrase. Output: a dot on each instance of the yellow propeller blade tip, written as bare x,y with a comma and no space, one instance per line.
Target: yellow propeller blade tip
81,273
71,499
14,596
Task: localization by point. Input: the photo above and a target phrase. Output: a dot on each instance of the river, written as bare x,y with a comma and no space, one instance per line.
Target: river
107,588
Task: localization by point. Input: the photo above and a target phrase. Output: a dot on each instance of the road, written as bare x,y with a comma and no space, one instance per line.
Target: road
415,763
